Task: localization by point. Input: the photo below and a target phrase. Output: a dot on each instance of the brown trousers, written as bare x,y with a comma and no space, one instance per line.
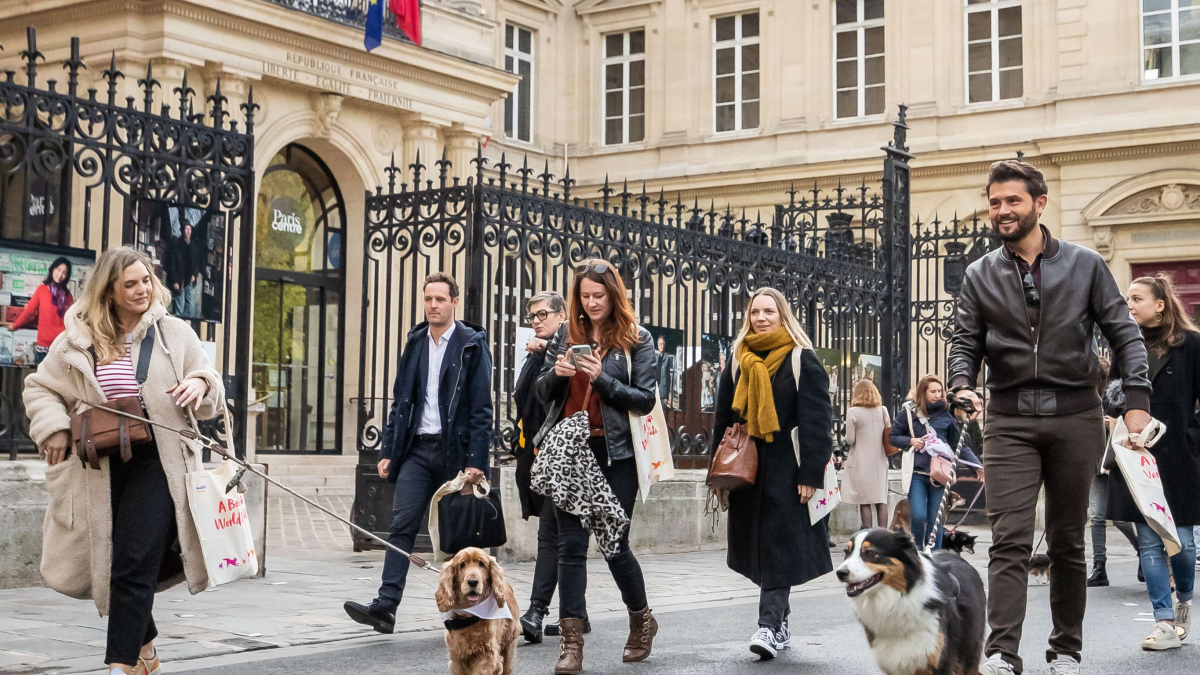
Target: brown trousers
1020,454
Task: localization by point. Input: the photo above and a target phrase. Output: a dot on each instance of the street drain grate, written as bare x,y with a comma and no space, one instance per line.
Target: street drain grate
245,644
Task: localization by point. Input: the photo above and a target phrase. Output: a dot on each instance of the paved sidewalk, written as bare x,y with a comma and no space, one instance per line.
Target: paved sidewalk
311,571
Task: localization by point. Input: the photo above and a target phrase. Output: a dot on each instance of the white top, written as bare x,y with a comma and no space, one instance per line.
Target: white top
486,609
431,419
118,379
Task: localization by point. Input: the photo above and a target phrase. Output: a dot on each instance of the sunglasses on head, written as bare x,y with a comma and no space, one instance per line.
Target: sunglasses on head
598,268
1032,297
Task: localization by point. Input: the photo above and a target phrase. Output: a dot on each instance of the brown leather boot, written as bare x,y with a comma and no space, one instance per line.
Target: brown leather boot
642,629
570,658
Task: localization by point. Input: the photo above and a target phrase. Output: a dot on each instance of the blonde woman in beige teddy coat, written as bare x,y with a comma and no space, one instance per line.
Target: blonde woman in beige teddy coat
87,553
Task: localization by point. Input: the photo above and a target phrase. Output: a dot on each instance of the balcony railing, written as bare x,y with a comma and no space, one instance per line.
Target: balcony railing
346,12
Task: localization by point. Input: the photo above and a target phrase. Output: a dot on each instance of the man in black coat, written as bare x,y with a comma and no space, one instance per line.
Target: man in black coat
440,423
547,314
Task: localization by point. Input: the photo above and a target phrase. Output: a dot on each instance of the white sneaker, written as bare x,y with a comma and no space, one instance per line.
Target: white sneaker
996,666
1162,638
1064,665
1183,619
764,644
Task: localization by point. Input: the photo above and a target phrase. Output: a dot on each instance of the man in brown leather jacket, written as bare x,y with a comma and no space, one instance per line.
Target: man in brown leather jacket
1029,309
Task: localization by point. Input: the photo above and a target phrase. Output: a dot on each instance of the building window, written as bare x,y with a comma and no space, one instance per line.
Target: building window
518,59
994,70
625,87
858,58
735,63
1170,38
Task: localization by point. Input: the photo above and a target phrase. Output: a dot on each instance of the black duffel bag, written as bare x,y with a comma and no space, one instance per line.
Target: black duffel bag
466,520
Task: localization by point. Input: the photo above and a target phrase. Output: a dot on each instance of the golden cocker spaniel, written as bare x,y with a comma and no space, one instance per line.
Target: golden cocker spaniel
473,579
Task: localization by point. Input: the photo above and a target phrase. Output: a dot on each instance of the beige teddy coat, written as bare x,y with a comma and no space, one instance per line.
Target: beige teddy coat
77,532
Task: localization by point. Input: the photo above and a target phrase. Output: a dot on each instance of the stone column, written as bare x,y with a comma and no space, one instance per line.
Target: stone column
421,141
461,147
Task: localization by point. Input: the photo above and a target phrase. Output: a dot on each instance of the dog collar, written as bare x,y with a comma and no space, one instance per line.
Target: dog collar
461,622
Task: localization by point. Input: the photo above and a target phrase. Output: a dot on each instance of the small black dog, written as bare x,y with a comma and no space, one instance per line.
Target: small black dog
958,541
1039,566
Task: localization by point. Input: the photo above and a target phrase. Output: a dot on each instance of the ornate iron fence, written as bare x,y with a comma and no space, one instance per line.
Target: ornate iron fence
941,252
99,159
509,233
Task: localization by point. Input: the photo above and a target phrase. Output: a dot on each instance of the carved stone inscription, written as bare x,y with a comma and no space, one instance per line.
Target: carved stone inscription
339,78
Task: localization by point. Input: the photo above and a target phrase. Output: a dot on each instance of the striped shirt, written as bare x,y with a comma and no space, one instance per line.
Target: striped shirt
118,379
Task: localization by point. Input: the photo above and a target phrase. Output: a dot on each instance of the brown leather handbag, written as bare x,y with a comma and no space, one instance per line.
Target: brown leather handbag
99,432
888,448
735,463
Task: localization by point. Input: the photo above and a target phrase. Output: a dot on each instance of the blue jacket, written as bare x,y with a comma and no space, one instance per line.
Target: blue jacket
941,420
464,399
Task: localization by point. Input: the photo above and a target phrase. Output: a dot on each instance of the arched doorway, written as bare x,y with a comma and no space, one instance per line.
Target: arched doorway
298,314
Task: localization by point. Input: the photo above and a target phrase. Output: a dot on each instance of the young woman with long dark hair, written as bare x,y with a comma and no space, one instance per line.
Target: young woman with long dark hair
1173,348
617,378
47,307
777,387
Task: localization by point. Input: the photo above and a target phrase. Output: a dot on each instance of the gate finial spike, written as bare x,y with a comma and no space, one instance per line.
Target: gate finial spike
73,65
31,56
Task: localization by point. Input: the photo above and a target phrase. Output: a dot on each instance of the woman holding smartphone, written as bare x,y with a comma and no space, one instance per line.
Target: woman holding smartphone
606,366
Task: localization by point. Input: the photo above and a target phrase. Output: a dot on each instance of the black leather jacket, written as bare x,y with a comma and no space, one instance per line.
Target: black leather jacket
618,396
1051,369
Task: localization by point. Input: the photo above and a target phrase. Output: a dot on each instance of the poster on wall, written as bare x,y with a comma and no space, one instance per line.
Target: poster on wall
866,366
187,246
714,355
832,359
22,272
671,355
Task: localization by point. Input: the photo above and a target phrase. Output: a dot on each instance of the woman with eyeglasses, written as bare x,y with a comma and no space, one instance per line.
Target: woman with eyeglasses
615,379
1173,348
546,314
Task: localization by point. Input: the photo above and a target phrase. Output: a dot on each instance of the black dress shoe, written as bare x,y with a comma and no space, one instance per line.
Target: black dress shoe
551,629
1098,577
382,619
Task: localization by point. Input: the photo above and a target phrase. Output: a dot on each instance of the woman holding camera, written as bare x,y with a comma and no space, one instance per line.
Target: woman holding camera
778,388
609,372
1173,349
927,413
118,534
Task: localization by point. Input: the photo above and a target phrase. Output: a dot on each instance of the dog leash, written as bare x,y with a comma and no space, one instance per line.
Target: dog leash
936,527
210,444
969,507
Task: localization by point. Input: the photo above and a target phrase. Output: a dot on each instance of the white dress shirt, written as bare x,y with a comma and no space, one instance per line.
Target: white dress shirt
431,418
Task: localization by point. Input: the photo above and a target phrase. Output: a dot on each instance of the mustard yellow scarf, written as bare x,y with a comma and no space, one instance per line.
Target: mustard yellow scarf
752,398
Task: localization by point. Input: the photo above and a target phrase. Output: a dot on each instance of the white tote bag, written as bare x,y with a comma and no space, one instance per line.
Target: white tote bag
825,500
1141,476
651,445
222,522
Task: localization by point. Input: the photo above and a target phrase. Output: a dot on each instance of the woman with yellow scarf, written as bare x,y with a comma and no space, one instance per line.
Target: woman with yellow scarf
777,387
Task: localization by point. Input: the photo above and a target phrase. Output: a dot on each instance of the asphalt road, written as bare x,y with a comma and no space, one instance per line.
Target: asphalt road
826,641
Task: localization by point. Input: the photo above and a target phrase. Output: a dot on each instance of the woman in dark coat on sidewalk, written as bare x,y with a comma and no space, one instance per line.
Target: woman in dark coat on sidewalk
1173,346
771,540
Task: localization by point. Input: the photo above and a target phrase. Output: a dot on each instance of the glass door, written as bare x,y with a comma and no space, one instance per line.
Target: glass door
298,313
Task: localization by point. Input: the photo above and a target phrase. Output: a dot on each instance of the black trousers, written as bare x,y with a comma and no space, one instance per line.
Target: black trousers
573,540
143,530
774,606
545,570
423,472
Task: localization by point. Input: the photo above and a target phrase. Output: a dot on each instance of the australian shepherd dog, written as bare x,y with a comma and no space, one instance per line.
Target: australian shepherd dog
923,615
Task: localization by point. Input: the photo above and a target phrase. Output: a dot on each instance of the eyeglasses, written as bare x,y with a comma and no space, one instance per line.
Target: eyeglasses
540,315
597,268
1032,297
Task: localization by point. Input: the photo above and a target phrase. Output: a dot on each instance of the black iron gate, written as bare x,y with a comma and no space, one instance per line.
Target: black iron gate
508,233
97,160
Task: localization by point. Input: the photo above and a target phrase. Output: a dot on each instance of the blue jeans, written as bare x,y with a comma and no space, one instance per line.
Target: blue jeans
421,474
924,499
1158,578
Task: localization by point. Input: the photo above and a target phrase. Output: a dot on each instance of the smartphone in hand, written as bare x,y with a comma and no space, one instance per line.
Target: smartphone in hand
576,350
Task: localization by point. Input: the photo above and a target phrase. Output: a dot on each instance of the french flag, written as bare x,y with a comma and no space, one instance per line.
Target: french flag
408,18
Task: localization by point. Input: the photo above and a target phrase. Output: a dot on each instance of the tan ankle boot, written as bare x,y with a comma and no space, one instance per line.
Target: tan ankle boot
642,629
570,659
